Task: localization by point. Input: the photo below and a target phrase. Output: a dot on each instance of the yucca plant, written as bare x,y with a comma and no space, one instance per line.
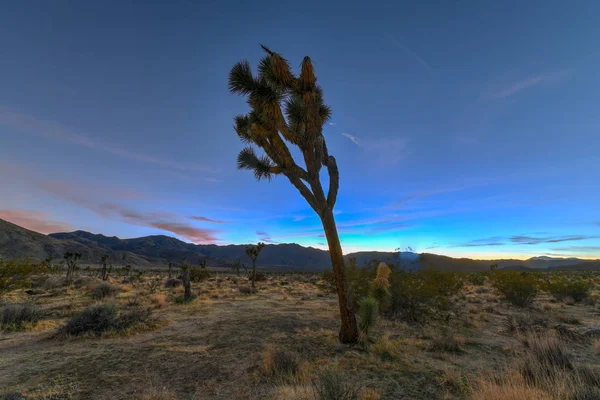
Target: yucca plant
288,109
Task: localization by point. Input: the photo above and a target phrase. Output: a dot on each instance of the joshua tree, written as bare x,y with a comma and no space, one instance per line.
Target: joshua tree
71,259
170,269
104,272
286,109
236,267
185,277
253,252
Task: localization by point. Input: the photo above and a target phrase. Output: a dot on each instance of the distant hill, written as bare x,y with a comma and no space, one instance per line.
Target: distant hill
158,250
16,242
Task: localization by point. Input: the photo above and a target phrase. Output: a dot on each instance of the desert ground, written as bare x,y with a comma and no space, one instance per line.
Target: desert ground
280,342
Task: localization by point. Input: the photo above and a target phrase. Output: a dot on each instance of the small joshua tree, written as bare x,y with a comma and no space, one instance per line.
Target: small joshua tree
105,271
71,259
170,269
185,278
253,252
236,267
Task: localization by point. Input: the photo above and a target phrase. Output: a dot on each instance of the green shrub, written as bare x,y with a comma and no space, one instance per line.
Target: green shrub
418,295
106,317
102,290
476,278
518,288
14,316
16,274
562,288
333,385
198,274
260,276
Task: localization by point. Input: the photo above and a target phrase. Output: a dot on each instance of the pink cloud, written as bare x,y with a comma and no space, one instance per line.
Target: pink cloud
204,219
35,220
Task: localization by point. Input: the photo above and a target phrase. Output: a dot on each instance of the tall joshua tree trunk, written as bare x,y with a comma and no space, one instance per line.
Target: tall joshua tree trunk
288,109
348,330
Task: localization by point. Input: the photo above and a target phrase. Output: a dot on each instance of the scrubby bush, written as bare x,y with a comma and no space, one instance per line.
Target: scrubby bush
198,274
331,384
418,295
476,278
280,363
15,316
16,274
247,290
563,288
173,282
259,276
106,317
102,290
518,288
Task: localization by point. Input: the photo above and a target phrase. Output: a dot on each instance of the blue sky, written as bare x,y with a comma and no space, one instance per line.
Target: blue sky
460,128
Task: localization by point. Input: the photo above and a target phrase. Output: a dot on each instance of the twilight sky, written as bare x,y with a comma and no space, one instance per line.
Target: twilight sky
461,128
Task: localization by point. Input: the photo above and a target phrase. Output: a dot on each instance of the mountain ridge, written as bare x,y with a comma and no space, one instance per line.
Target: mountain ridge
158,250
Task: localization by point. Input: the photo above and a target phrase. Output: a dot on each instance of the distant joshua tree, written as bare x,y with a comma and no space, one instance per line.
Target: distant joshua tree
71,259
289,109
236,266
105,270
170,269
185,277
253,252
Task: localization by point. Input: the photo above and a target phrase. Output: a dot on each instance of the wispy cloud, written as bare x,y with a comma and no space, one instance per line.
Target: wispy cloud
34,220
354,139
582,249
265,237
385,151
550,239
411,53
527,83
33,126
204,219
331,123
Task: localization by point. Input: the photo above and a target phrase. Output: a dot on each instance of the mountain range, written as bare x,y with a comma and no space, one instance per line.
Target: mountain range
158,250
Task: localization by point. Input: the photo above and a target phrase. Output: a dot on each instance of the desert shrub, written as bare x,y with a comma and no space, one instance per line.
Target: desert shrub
445,340
333,385
14,316
260,276
16,274
198,274
102,290
83,281
173,282
476,278
563,288
415,296
368,309
518,288
280,363
247,290
359,281
53,282
158,300
106,317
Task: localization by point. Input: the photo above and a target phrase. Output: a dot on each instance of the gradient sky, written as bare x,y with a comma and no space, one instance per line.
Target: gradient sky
460,128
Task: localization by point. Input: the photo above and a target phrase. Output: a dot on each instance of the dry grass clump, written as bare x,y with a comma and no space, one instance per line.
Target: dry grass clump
387,349
445,341
289,392
102,290
159,300
454,381
247,290
281,364
332,384
546,372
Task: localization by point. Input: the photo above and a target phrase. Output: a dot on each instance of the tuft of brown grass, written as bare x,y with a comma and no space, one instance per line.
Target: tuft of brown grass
159,300
510,387
281,364
303,392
